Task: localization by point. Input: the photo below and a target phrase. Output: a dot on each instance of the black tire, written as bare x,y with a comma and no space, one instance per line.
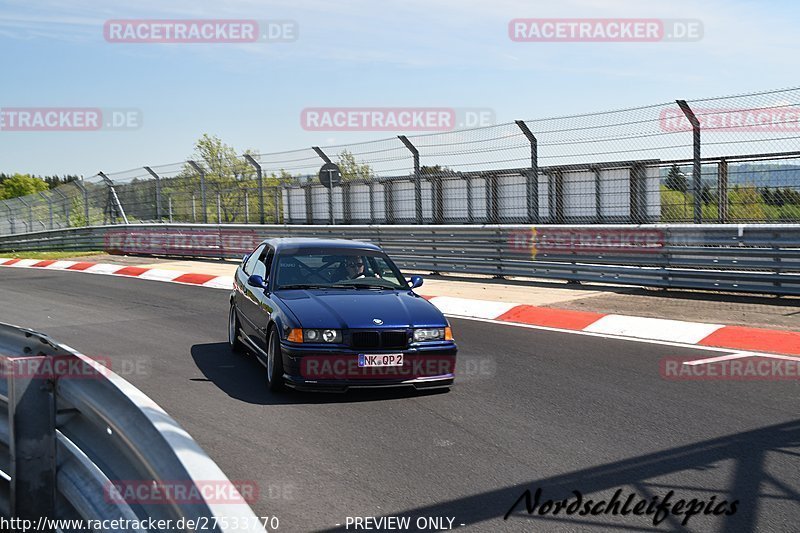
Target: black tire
233,332
274,371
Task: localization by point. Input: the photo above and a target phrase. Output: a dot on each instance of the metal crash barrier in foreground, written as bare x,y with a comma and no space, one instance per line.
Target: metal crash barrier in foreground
75,433
759,258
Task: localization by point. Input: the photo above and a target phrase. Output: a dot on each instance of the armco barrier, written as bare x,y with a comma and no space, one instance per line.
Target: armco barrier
76,440
762,258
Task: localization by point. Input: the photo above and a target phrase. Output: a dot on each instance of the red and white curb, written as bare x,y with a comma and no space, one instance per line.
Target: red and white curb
155,274
749,341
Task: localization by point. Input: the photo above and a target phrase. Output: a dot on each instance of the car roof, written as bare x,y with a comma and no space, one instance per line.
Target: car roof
301,243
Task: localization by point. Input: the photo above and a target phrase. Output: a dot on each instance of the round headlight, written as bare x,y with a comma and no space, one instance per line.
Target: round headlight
312,334
328,335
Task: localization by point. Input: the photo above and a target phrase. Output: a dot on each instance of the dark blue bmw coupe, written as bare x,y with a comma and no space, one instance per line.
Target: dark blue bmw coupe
337,314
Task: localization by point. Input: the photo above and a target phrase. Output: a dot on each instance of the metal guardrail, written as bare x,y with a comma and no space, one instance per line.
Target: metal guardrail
73,430
761,258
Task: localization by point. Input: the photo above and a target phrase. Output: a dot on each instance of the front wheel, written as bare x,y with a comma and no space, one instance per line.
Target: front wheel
233,332
274,362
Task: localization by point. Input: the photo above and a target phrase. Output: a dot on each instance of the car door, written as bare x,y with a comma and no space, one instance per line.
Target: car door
263,300
245,295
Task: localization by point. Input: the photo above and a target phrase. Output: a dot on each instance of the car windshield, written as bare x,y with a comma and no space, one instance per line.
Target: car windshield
353,269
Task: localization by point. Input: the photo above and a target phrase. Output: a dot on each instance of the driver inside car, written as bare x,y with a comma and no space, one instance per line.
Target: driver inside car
354,267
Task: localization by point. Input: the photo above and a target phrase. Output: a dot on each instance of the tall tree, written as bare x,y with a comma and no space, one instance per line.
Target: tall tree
21,185
352,169
676,180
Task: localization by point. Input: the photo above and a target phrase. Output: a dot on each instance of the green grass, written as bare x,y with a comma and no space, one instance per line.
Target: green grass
48,255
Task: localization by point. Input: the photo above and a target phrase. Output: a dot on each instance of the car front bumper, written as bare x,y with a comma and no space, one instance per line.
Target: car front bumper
315,368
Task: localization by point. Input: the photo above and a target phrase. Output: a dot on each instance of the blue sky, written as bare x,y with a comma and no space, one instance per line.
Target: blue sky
354,53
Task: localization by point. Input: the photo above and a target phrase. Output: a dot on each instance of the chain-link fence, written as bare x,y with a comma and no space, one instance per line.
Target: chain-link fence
719,160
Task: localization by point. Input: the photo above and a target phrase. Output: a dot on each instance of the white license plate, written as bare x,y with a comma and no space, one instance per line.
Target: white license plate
384,359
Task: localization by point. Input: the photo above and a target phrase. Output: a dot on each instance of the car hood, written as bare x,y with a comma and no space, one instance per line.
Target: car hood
356,309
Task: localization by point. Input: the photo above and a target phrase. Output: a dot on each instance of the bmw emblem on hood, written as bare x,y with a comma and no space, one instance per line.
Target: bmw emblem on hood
377,321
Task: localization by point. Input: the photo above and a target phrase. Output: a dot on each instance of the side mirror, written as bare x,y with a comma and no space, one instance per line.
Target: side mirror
256,281
416,281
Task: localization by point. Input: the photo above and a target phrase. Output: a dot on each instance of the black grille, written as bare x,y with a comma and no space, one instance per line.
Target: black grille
375,340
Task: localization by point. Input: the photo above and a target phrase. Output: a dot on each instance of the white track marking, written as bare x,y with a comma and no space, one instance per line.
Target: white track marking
26,262
653,328
159,274
220,282
471,308
61,265
737,355
103,268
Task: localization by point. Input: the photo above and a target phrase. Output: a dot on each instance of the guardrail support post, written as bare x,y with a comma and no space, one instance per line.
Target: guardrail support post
79,184
260,177
531,177
722,191
202,174
158,191
697,179
32,438
417,179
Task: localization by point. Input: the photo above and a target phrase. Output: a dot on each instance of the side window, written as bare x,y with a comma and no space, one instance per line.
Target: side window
268,262
252,260
262,267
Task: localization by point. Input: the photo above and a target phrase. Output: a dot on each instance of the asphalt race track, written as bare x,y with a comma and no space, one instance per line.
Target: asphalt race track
530,409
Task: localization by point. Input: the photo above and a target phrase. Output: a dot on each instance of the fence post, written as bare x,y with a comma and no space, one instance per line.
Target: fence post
638,194
260,178
722,191
65,199
219,208
30,212
32,438
169,201
327,159
203,205
417,179
79,184
49,207
158,192
697,179
531,177
194,208
598,194
10,218
114,197
247,206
